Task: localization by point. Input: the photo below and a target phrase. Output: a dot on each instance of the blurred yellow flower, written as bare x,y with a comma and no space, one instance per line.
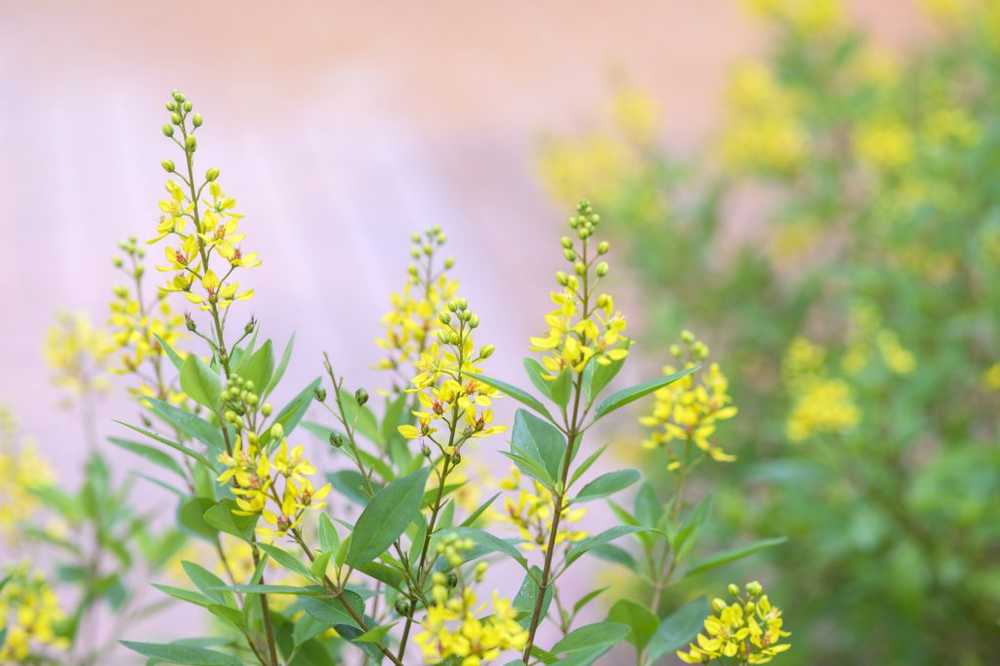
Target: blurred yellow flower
29,616
885,144
78,354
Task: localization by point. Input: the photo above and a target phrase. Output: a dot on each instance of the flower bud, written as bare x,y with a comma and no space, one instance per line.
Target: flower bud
175,118
566,242
449,263
277,431
602,269
452,579
320,394
733,590
486,351
687,336
603,247
426,450
171,105
196,119
117,262
212,174
570,255
167,165
336,439
187,106
189,323
402,606
167,130
190,143
754,588
361,396
580,268
445,318
718,605
177,95
266,409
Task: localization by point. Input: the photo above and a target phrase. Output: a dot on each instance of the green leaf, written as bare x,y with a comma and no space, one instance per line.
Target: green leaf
386,517
639,619
677,630
292,413
591,636
306,591
533,468
615,554
374,635
538,441
684,539
607,484
331,611
187,655
258,366
174,357
383,572
619,399
279,372
152,454
329,539
586,464
520,395
361,418
527,597
211,585
582,602
557,390
221,517
191,514
580,548
200,382
479,511
318,566
285,560
172,444
190,424
597,376
188,596
351,485
727,556
648,509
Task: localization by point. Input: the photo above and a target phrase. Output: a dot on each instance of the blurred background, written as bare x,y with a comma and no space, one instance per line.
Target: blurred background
810,186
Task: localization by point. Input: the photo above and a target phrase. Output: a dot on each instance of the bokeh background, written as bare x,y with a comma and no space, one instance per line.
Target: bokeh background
341,129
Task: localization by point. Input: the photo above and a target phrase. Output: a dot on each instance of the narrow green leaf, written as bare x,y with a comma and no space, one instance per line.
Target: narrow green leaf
174,357
580,548
468,522
190,514
591,636
607,484
609,552
292,413
153,455
200,382
539,441
520,395
329,539
256,588
727,556
190,424
318,566
258,366
285,560
351,485
638,618
172,444
527,597
187,655
488,543
583,601
279,372
677,630
586,464
221,517
597,376
331,612
210,584
386,516
619,399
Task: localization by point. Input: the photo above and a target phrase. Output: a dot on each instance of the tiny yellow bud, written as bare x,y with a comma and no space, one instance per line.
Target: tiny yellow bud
167,165
277,430
167,130
603,247
266,409
602,269
212,174
190,143
196,119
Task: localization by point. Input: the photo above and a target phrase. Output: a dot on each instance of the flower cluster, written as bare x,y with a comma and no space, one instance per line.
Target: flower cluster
29,615
269,480
412,323
78,354
820,403
810,18
446,393
869,338
584,325
214,224
138,326
21,470
747,630
455,628
688,410
531,514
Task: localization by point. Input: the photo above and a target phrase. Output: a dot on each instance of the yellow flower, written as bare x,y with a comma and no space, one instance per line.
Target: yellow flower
688,410
584,326
822,405
747,630
530,512
210,252
78,353
808,17
29,615
991,377
885,144
21,470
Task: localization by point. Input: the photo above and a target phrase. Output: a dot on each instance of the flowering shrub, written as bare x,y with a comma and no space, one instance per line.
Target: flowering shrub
288,581
856,313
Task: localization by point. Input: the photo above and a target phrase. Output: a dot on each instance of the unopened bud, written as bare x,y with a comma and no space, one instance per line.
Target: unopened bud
402,606
603,247
487,351
189,323
336,439
190,143
754,588
212,174
733,590
187,106
167,130
449,263
277,431
167,165
320,394
602,269
361,396
196,119
426,450
266,409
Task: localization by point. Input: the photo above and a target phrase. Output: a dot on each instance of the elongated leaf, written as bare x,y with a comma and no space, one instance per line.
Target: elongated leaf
189,424
591,636
677,630
172,444
188,596
586,464
174,357
153,455
638,618
210,584
306,591
533,468
527,597
191,514
279,372
520,395
200,382
580,548
488,543
557,390
331,612
607,484
619,399
479,511
187,655
539,441
292,413
361,418
285,560
221,517
329,539
597,376
351,485
727,556
258,366
609,552
386,517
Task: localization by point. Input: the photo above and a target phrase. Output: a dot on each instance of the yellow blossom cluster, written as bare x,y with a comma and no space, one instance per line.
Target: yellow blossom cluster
446,394
78,353
585,324
762,131
885,143
203,226
265,479
868,338
29,614
137,326
688,410
820,403
414,320
21,469
531,513
747,630
456,628
991,377
810,18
